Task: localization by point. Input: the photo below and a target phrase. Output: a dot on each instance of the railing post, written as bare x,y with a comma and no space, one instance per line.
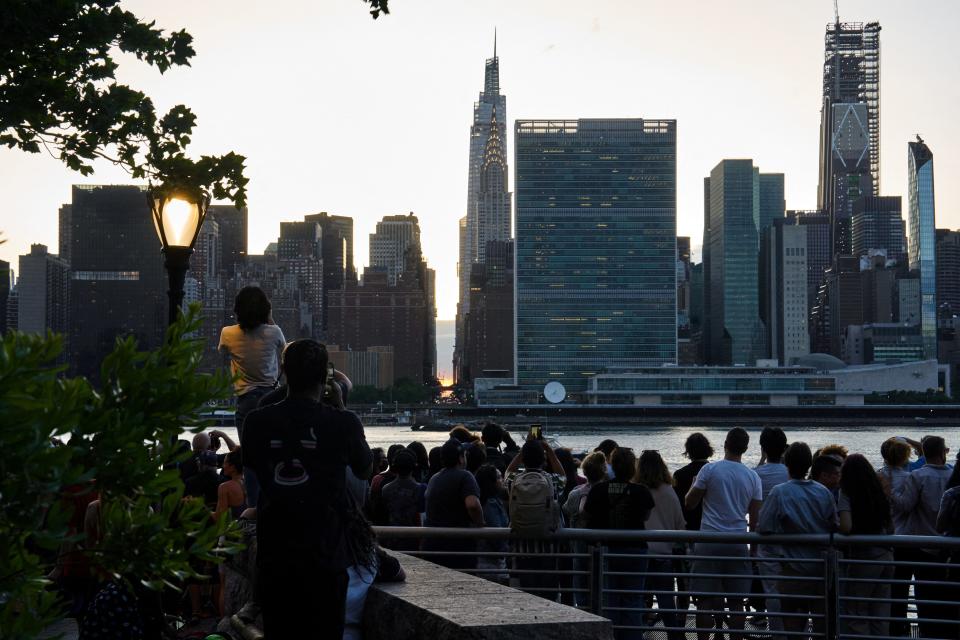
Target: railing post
596,578
831,591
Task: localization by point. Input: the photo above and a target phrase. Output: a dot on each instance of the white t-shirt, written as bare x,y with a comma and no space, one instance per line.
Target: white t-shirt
254,355
771,474
729,488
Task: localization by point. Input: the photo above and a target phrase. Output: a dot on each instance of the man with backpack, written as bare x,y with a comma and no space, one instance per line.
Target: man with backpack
535,513
534,491
300,449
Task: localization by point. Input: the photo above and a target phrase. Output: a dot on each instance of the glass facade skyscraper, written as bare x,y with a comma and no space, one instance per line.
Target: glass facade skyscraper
595,248
922,244
735,195
772,203
877,224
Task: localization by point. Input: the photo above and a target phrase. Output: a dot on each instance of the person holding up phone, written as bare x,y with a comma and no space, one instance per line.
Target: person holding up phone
535,510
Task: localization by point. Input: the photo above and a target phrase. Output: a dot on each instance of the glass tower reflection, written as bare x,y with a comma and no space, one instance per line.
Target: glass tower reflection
923,239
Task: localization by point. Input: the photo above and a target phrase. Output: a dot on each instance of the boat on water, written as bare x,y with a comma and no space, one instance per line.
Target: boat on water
377,418
426,422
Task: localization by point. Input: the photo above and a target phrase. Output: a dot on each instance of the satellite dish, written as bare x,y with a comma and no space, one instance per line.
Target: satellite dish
554,392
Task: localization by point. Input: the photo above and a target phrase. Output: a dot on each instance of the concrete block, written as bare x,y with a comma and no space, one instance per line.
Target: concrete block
440,603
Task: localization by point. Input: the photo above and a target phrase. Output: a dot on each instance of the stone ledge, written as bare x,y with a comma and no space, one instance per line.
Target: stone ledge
440,603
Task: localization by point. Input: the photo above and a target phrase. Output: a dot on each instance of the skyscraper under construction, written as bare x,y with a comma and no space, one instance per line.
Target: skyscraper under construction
849,124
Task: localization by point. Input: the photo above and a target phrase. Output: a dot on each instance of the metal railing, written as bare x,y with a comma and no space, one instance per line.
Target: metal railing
799,586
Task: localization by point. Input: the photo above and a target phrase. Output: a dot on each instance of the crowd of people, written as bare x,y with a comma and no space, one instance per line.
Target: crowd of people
485,479
306,487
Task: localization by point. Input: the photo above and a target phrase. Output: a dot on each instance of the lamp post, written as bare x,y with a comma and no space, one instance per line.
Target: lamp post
178,214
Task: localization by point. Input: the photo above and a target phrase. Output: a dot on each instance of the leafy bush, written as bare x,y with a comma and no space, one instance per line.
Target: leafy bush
58,433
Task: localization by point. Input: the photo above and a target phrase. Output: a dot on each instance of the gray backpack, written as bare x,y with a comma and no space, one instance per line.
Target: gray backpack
534,512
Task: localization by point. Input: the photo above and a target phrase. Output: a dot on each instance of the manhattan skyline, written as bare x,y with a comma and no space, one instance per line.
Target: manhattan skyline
367,119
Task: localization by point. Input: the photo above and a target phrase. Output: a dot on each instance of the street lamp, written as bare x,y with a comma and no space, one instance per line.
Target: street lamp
178,214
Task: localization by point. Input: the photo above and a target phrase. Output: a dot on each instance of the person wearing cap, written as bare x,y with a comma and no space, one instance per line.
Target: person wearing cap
453,500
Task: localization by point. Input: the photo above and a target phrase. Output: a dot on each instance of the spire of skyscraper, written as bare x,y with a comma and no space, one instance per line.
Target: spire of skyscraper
491,76
488,199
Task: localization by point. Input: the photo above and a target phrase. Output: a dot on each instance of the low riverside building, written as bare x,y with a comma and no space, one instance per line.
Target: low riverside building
817,379
809,383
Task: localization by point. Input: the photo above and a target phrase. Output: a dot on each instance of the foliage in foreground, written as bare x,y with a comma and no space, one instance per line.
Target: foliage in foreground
59,93
116,439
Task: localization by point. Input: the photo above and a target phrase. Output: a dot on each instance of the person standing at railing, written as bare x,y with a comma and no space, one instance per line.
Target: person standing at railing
919,498
731,493
300,449
948,523
667,515
622,504
594,467
494,515
535,513
403,499
948,517
894,473
865,510
772,472
376,509
698,450
796,507
453,500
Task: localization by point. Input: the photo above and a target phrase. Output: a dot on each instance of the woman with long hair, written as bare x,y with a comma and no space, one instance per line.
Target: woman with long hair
666,515
864,509
569,465
253,346
422,471
494,566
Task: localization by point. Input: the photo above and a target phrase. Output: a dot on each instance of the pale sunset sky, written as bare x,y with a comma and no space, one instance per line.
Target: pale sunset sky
337,112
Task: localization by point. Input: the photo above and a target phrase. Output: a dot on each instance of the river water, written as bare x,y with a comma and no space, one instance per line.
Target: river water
669,441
